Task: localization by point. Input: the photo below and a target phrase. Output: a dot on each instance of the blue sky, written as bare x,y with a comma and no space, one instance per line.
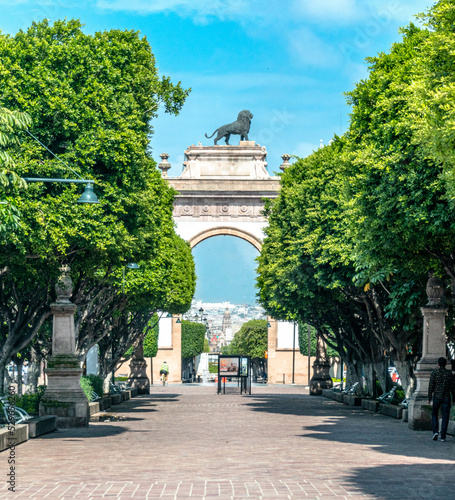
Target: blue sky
288,62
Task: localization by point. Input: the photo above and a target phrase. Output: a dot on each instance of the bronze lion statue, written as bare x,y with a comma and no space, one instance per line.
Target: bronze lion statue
240,127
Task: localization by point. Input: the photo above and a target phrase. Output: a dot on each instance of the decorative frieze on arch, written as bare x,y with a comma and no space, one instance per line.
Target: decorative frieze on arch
227,231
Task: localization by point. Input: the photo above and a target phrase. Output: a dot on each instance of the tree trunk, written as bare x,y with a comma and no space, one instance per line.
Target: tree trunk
381,374
406,374
107,383
19,365
352,374
3,372
34,370
370,378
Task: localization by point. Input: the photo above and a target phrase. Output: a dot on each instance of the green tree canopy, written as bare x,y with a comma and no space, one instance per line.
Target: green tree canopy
11,123
91,99
358,224
193,335
250,340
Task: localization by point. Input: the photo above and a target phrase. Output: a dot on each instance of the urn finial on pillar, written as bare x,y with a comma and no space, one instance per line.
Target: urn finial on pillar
164,166
285,163
64,286
435,291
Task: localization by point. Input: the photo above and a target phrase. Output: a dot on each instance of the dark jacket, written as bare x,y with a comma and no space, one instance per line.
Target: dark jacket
442,384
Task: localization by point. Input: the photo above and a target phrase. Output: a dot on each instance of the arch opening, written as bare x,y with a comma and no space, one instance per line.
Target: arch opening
226,231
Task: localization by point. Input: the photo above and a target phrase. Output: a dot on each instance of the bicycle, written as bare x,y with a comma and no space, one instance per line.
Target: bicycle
163,378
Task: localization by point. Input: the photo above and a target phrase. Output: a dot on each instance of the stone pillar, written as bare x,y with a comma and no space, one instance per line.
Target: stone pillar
138,371
64,396
433,347
321,378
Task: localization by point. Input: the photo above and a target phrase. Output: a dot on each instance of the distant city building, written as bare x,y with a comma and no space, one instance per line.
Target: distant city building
227,326
222,319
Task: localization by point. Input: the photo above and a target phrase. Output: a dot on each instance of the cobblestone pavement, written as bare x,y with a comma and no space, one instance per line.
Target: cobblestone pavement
185,441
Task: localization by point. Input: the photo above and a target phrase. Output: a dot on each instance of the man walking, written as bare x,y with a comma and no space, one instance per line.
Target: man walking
441,387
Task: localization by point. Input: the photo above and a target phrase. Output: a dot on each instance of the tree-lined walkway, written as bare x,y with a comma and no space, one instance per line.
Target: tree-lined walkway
185,441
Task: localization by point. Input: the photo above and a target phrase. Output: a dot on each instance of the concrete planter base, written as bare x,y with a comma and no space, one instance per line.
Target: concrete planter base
391,410
38,426
116,399
327,393
352,400
93,408
370,404
19,435
337,396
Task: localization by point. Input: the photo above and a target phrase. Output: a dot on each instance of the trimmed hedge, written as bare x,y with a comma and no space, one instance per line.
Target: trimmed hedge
92,383
193,335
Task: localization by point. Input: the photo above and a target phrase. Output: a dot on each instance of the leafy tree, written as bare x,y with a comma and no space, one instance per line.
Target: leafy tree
433,91
151,338
193,335
250,340
303,341
11,123
307,265
91,99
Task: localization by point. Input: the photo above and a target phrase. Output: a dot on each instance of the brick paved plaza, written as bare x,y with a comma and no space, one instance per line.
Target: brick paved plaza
186,441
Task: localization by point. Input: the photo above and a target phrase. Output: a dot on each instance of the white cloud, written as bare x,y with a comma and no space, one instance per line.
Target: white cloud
327,10
199,10
346,12
309,49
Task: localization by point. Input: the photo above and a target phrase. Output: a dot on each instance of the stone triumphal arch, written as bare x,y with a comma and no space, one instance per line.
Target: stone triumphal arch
222,191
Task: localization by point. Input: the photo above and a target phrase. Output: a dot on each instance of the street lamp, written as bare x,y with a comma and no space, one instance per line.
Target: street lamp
88,196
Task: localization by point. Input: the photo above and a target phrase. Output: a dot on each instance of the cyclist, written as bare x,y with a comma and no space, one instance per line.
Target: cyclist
164,369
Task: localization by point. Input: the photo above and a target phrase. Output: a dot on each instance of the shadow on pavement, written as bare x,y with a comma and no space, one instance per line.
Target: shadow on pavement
424,481
143,404
346,424
95,430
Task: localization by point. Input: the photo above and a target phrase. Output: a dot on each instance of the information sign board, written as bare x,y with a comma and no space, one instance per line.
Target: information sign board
229,366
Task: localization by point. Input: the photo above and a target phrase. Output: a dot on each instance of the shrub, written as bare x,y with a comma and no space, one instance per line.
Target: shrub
92,383
30,402
86,387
